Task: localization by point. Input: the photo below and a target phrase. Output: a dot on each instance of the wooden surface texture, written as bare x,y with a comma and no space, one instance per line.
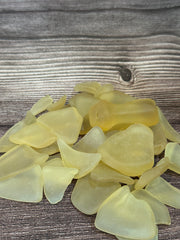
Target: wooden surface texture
46,47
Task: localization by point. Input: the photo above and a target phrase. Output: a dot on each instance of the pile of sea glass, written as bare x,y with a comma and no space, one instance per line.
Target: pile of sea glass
113,160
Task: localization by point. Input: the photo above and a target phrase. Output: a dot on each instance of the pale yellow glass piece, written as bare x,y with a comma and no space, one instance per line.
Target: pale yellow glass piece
88,195
65,123
116,97
154,238
107,115
86,127
56,180
160,140
105,88
110,133
5,143
35,135
41,105
123,215
104,174
83,102
160,211
84,162
152,173
164,192
27,186
29,118
172,151
169,131
57,105
18,159
130,151
50,150
91,141
55,162
88,87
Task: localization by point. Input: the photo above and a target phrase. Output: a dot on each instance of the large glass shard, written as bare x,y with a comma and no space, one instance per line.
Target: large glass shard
27,186
91,141
116,97
103,173
18,159
118,216
35,135
107,115
130,151
88,195
172,151
65,123
160,211
164,192
84,162
56,180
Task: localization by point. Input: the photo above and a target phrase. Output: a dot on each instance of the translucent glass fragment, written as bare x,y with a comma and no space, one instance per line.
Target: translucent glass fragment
57,105
172,151
41,105
88,195
160,140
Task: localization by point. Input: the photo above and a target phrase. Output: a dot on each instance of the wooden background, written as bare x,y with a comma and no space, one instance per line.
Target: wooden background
46,47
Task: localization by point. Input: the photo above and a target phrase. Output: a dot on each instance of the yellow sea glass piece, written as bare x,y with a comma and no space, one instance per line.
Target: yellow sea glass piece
5,143
152,173
123,215
27,186
103,173
116,97
91,141
160,211
107,115
84,162
160,140
86,127
88,87
88,195
57,105
18,159
164,192
41,105
83,102
50,150
130,151
35,135
29,118
169,131
105,88
55,162
65,123
56,180
172,151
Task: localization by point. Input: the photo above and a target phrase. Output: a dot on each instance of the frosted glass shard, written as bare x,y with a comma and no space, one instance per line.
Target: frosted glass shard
57,105
88,87
116,97
5,143
24,187
83,102
172,151
130,151
55,162
160,140
34,135
103,173
160,211
123,215
56,180
50,150
91,141
88,195
41,105
169,131
152,173
84,162
164,192
18,159
65,123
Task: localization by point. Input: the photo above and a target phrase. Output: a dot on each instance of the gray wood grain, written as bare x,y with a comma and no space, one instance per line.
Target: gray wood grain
46,47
